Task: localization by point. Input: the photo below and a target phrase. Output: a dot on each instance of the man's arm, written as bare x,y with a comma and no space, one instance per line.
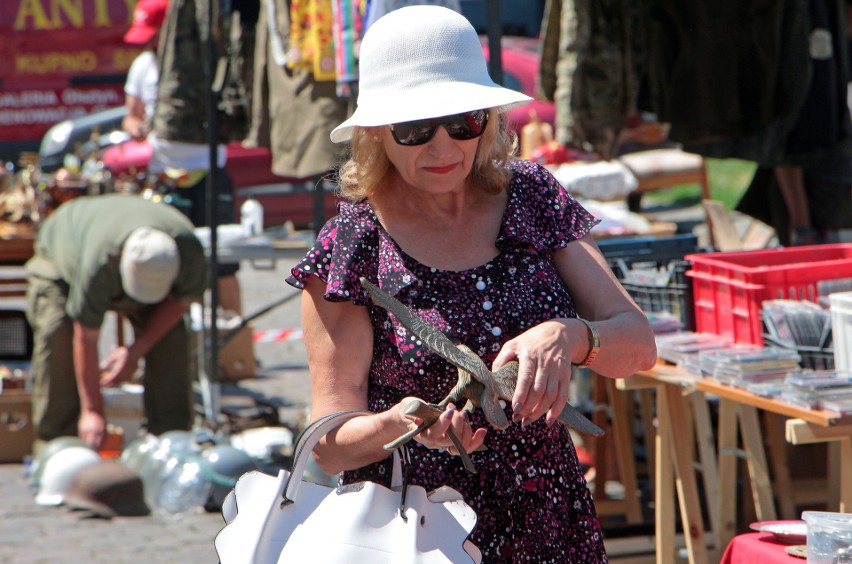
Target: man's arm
121,364
92,425
135,122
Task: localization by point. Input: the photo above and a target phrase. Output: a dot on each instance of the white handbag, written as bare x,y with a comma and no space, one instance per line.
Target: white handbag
284,519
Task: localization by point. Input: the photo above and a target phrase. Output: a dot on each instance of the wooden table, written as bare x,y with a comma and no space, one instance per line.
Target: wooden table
16,250
683,412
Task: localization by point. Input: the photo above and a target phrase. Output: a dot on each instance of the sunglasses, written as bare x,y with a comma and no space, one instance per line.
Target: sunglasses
461,127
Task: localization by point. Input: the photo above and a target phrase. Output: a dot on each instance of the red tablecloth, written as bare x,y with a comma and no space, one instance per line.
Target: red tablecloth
757,547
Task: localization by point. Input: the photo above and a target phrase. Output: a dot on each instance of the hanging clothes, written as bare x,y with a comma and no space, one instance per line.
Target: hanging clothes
590,71
185,76
292,112
802,116
819,139
378,8
714,66
558,62
311,38
605,82
347,19
823,119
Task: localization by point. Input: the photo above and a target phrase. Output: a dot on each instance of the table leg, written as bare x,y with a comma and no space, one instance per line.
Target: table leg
783,484
664,512
687,490
623,442
758,469
646,408
705,439
727,474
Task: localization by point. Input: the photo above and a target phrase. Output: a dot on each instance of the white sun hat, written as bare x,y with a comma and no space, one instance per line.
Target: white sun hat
422,62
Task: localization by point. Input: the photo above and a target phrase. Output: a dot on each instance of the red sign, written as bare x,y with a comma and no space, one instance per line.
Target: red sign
60,59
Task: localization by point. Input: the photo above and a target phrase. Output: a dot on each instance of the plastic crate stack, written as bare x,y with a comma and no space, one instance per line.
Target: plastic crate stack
653,271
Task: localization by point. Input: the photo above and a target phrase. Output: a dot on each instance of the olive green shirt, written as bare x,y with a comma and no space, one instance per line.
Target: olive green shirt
81,245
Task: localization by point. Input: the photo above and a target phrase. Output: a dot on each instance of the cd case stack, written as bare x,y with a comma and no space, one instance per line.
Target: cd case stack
757,369
820,389
803,326
683,347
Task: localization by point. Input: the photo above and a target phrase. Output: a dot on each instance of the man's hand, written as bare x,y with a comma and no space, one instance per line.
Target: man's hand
117,368
92,428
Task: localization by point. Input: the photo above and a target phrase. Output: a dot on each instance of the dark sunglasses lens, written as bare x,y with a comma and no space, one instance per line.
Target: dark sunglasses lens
461,127
414,132
469,125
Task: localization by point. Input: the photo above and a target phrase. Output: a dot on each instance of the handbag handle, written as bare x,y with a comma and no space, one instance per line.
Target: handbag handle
309,439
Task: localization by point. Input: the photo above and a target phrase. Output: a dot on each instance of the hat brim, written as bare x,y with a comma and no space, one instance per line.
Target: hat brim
139,35
96,509
428,101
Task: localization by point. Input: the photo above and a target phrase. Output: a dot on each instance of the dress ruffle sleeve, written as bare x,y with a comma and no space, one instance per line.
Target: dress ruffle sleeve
540,212
349,246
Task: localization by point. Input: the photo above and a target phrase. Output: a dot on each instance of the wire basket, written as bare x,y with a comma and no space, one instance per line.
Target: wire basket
653,271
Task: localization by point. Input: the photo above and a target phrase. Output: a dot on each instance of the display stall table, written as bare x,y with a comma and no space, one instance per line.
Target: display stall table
758,547
738,411
684,426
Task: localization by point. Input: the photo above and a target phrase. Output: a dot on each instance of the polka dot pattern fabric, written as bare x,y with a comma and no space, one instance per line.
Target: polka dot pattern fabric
531,500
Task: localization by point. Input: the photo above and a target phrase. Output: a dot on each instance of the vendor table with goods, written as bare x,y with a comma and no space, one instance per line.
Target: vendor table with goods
736,299
682,404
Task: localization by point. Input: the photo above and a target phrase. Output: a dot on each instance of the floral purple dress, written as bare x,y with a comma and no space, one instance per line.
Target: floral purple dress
531,500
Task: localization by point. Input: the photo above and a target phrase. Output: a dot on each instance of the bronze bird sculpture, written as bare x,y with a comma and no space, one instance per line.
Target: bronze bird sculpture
476,383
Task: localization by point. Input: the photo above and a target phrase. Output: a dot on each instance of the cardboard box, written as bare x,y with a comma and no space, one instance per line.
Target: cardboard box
236,357
16,426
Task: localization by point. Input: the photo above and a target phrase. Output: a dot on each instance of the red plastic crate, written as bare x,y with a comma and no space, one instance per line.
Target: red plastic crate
730,288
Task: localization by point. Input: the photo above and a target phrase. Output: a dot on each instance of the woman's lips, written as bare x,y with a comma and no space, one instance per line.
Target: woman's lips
440,169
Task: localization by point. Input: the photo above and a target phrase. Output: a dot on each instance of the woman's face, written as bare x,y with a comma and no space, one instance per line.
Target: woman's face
439,166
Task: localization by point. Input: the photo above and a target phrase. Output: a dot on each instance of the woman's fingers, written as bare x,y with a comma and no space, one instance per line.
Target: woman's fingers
543,388
437,436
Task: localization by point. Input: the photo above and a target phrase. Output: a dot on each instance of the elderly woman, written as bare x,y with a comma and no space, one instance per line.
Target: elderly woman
493,252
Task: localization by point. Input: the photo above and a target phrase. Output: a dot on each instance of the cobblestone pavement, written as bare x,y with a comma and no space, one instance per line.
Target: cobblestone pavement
30,533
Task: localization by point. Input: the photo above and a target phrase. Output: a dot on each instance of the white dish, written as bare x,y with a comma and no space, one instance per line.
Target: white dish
788,532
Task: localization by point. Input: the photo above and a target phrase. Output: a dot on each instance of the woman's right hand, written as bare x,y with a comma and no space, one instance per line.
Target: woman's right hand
436,436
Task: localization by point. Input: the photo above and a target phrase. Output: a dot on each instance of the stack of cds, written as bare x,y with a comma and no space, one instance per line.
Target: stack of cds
820,389
682,348
663,322
751,367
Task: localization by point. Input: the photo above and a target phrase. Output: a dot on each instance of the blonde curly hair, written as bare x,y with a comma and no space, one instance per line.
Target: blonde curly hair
363,174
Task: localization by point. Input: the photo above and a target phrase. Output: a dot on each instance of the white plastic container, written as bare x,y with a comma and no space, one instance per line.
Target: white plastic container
841,330
829,537
251,217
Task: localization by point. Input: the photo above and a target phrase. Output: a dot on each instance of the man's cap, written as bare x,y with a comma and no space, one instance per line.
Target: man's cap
148,16
149,265
107,489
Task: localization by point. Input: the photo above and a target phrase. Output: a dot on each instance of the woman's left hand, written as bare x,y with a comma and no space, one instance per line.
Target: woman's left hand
437,435
544,354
